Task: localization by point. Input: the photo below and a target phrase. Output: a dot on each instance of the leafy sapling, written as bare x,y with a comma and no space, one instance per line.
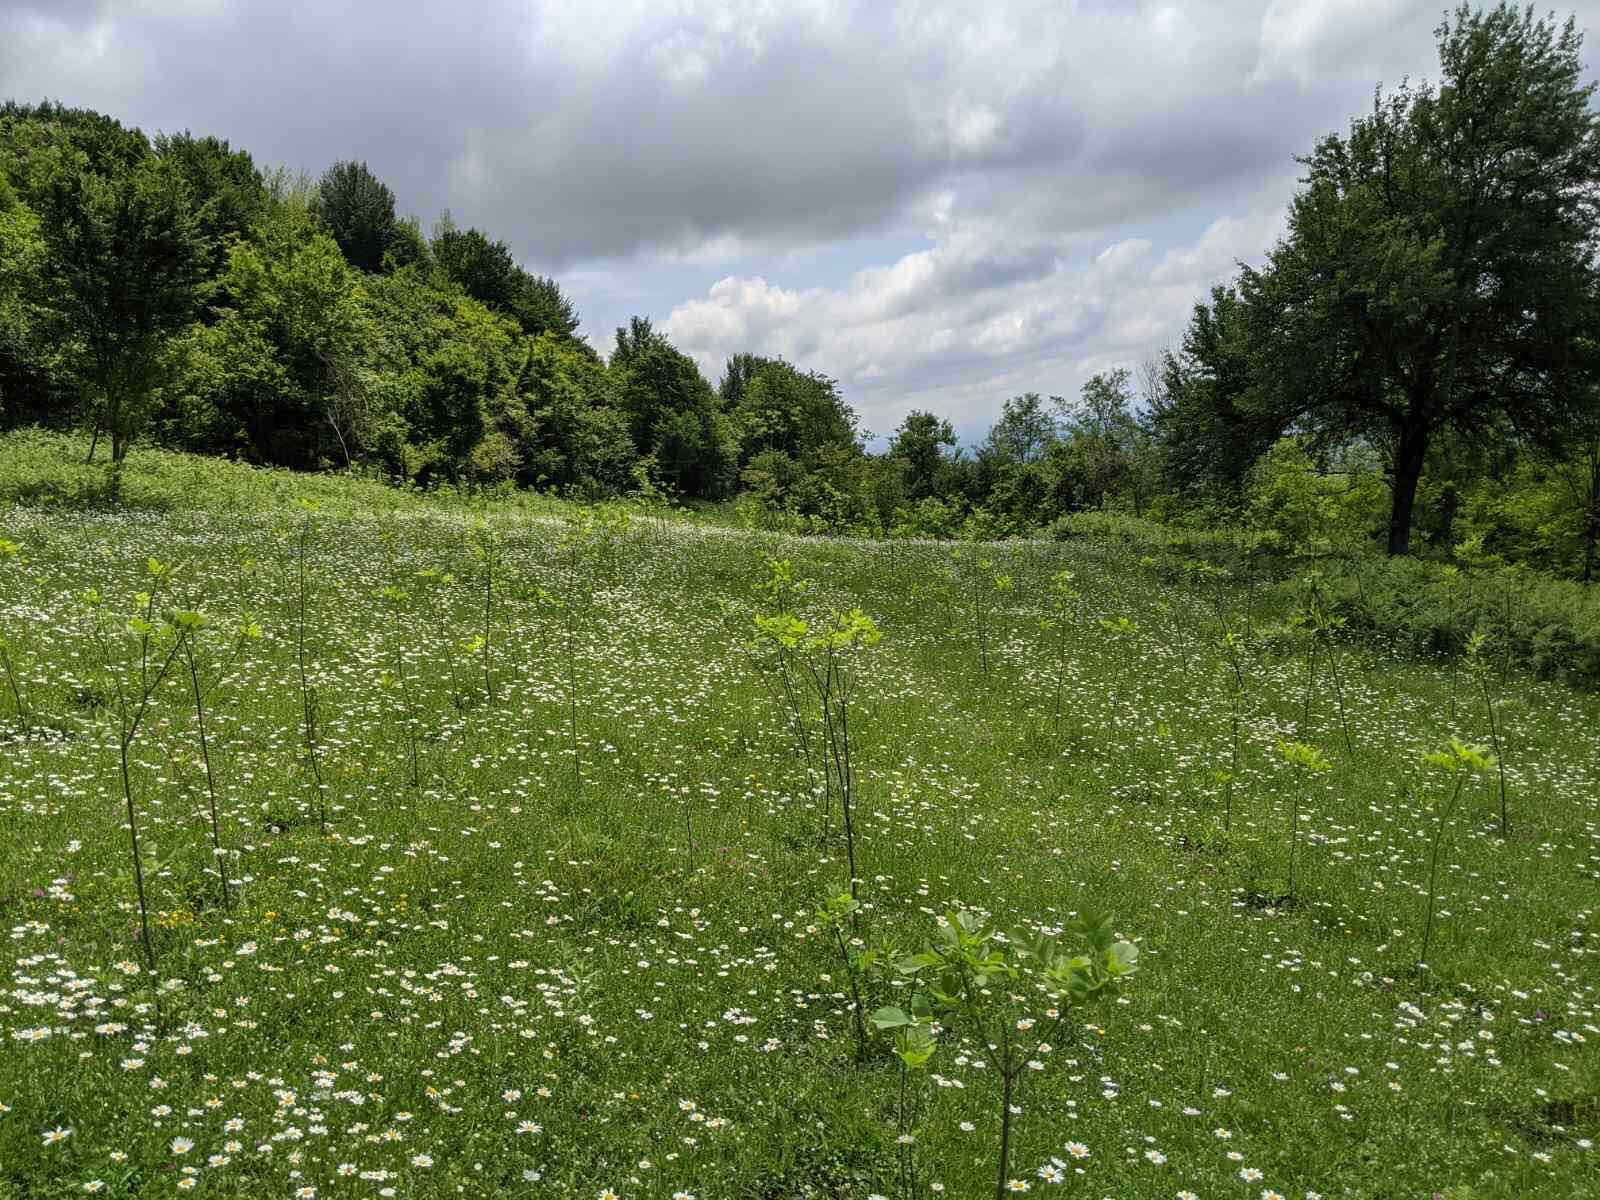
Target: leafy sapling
188,624
310,710
133,691
1307,761
780,590
1460,760
826,658
974,976
914,1038
1477,660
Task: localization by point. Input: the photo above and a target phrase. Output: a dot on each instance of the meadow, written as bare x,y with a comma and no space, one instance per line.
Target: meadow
508,851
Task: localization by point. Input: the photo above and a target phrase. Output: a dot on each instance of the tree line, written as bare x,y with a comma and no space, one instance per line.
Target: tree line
1413,367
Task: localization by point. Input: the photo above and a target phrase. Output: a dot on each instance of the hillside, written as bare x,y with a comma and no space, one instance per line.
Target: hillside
496,864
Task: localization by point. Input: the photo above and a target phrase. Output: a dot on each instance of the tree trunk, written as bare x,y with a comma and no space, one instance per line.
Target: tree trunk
1410,451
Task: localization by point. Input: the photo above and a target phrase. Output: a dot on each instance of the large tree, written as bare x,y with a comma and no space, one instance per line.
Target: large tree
486,271
125,260
778,407
918,446
1208,425
674,417
358,209
1438,273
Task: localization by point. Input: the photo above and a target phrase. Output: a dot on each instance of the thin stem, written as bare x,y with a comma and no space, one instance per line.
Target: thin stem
1311,683
1338,692
1499,758
856,1006
572,673
205,757
308,694
1008,1081
488,616
11,678
1294,840
1433,866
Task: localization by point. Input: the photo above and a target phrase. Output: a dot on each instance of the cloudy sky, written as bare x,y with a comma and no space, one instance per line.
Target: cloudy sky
940,204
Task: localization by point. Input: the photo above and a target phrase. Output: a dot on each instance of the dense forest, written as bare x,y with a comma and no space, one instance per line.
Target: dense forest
1412,367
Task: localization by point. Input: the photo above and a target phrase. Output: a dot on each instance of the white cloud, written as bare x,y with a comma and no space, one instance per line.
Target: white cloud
1313,40
966,322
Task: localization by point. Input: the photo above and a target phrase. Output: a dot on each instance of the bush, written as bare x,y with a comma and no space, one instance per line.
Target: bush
1550,627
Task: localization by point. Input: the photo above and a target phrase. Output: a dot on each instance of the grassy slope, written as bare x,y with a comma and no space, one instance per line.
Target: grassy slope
416,977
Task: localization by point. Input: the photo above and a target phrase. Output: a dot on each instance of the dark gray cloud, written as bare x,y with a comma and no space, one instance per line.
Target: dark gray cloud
579,133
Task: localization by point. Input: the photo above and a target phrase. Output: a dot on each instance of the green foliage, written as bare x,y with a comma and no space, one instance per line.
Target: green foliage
226,192
1209,432
662,988
673,416
1300,507
972,974
358,210
26,354
276,376
917,448
486,271
125,264
320,330
1372,320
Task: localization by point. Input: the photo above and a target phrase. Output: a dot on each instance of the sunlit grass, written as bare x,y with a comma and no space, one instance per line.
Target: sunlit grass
581,951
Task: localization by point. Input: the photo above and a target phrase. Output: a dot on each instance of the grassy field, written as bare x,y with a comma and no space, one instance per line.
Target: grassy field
476,962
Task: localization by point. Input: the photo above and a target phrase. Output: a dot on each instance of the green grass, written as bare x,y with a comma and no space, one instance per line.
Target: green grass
498,948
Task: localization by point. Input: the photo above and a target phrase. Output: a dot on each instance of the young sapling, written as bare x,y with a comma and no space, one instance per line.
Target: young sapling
1460,760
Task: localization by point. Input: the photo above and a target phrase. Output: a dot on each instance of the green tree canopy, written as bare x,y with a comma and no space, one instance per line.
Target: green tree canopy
358,209
918,446
1024,430
1438,268
674,417
1208,424
486,271
228,194
125,263
798,413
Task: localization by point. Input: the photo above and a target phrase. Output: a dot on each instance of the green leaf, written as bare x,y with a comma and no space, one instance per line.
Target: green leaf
890,1018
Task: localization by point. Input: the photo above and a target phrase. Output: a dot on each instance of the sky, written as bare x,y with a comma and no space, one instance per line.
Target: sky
939,205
